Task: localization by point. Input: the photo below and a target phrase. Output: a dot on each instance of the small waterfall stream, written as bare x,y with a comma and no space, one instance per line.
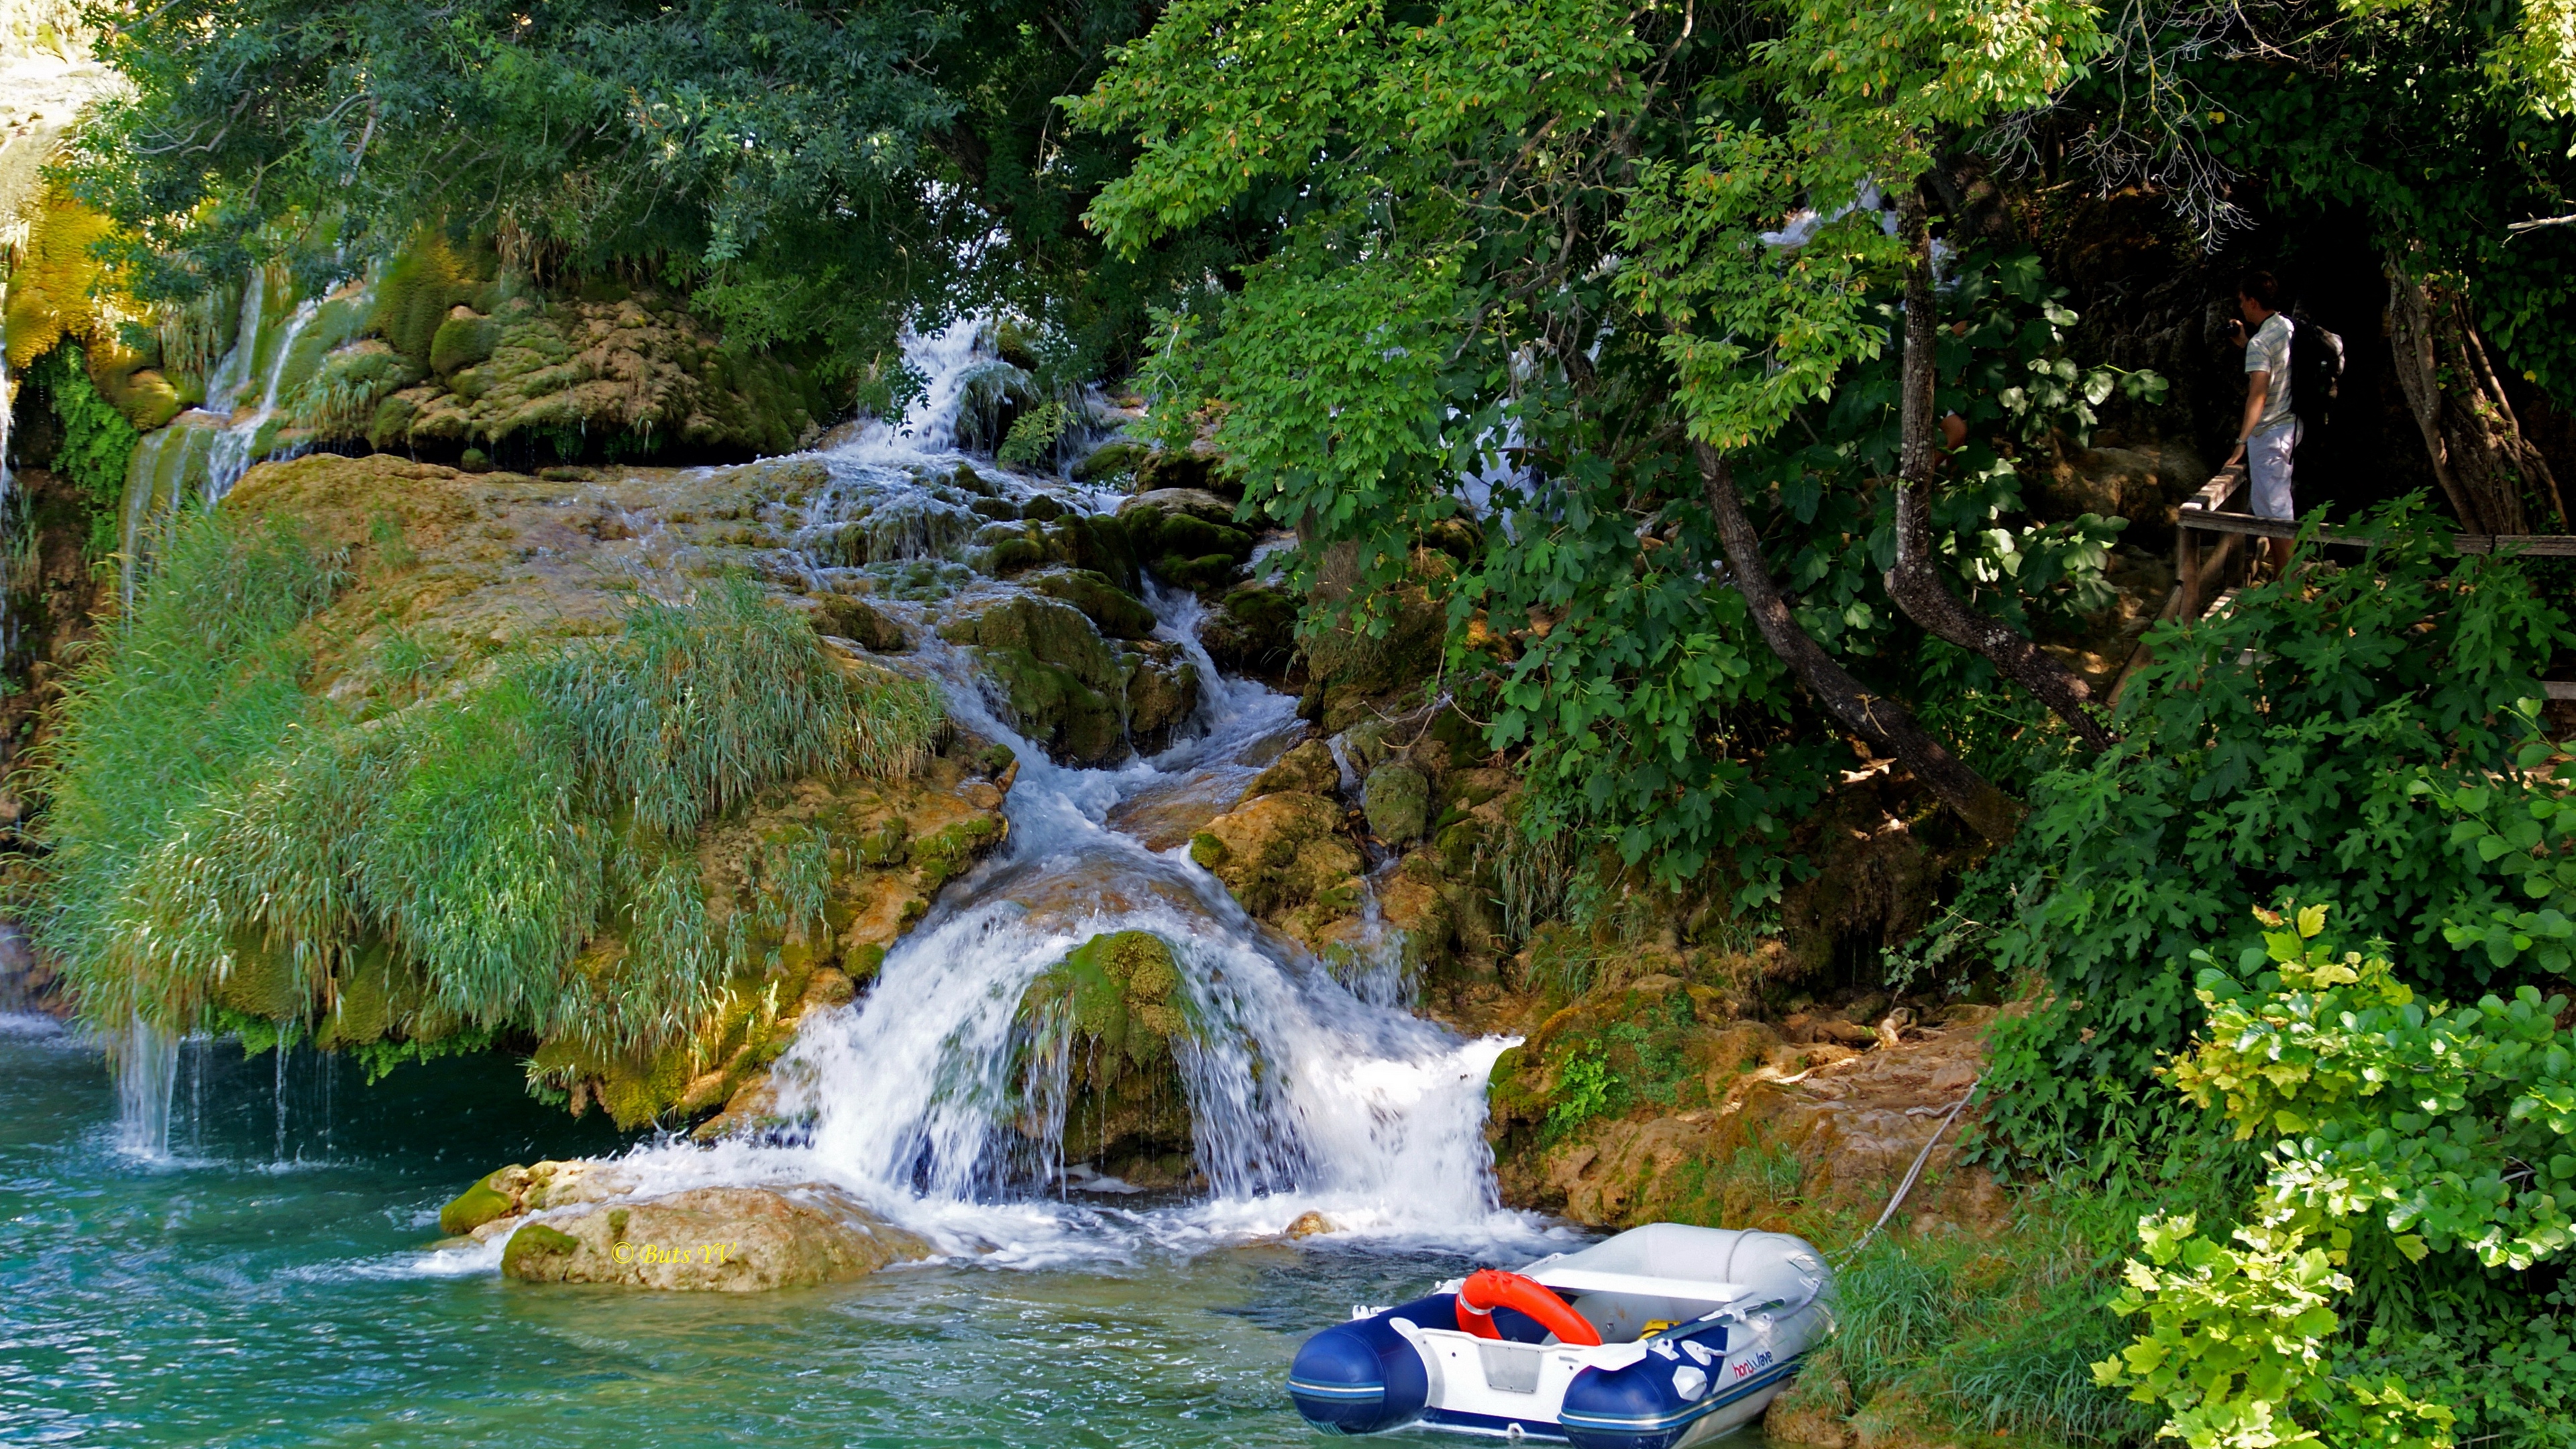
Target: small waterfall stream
233,446
145,1060
213,444
1306,1093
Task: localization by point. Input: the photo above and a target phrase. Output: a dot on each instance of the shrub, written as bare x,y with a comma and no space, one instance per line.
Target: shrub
2401,1130
2317,739
98,442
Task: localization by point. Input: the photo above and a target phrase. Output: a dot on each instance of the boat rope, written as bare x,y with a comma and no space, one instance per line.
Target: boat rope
1916,1170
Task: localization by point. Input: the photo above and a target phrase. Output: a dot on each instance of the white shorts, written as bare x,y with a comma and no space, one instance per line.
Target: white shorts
2267,464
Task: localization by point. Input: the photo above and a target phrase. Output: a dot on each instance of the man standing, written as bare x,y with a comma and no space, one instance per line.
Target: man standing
2268,436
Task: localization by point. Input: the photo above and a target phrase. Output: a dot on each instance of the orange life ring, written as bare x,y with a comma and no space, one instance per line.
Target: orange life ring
1487,1289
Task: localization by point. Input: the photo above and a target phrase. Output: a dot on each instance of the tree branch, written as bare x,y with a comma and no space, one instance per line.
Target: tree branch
1887,725
1913,581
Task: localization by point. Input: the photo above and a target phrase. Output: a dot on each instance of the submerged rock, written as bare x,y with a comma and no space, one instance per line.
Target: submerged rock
714,1239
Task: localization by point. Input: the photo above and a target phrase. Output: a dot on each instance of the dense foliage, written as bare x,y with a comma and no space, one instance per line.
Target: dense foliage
1522,210
96,442
2354,730
2403,1130
816,173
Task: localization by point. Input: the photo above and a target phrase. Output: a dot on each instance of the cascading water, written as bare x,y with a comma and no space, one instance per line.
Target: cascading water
233,447
1304,1095
145,1060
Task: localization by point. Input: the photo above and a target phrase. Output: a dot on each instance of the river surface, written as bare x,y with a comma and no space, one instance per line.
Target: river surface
223,1298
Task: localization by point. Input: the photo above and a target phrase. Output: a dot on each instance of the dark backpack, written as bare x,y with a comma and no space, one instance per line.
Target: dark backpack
2316,375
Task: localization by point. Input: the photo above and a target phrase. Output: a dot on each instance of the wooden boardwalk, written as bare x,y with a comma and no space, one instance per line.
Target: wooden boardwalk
2205,573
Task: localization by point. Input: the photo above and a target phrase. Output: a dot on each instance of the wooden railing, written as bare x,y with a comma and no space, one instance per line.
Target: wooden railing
2202,571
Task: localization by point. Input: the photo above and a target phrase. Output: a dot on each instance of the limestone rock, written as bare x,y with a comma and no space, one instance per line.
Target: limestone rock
1284,857
1117,613
1785,1128
1253,630
1160,691
489,1198
861,623
1307,766
1398,803
633,365
1057,676
1110,463
1066,687
714,1239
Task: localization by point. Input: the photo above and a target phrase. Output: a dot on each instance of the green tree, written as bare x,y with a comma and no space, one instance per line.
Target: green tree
817,173
1581,252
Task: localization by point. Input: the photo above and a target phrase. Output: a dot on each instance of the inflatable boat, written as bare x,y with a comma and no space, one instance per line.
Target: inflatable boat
1662,1337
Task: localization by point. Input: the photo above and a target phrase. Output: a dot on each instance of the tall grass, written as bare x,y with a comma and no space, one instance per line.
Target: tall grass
156,730
205,813
1996,1331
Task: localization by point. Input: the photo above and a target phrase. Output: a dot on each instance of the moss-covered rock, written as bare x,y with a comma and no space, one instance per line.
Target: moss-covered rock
1117,613
1306,766
776,905
554,376
1397,801
1111,463
861,623
1109,1017
1285,858
484,1202
531,1254
715,1239
1253,630
1159,692
1085,700
1186,537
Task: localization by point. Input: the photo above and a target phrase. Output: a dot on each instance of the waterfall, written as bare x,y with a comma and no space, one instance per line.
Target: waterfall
145,1063
1304,1095
233,447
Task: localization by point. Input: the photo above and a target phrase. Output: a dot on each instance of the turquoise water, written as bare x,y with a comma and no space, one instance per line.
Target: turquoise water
225,1299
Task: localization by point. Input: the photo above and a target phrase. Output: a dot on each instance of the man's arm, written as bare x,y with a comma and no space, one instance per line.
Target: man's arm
2258,388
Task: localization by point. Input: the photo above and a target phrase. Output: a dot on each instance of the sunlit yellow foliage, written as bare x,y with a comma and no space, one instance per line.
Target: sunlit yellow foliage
58,289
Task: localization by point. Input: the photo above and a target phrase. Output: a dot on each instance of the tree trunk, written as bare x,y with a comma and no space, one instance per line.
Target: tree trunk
2487,468
1886,724
1913,581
